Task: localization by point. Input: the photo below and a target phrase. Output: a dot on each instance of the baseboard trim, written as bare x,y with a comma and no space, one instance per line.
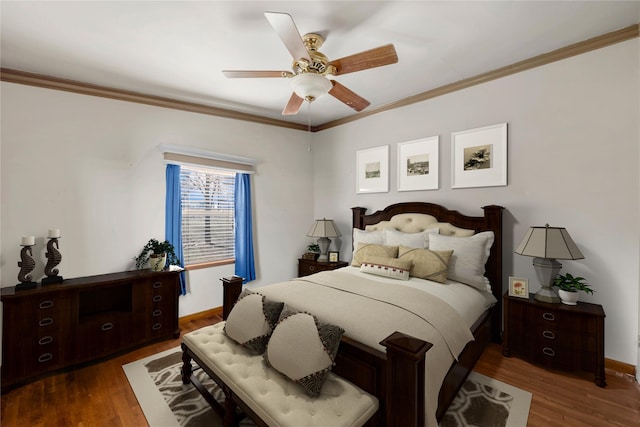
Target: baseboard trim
217,311
620,367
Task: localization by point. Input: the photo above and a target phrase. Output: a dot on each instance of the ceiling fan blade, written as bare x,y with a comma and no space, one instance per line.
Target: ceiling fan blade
288,33
350,98
383,55
239,74
293,106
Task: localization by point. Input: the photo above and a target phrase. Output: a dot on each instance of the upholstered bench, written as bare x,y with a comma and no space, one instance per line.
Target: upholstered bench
264,394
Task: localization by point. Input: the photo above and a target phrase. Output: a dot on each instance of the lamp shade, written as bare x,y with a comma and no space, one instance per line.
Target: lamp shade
323,228
549,242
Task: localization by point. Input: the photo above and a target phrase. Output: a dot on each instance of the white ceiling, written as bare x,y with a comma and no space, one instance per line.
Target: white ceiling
177,49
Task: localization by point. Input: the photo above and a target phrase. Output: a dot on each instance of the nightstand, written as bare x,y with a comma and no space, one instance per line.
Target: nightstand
309,266
557,336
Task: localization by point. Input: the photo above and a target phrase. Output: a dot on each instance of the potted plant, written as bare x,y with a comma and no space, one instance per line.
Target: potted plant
313,252
569,286
157,254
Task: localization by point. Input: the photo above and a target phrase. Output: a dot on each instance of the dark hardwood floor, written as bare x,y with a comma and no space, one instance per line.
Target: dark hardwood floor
99,395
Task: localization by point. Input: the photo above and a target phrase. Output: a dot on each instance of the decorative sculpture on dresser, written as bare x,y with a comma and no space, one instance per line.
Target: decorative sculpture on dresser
26,264
53,258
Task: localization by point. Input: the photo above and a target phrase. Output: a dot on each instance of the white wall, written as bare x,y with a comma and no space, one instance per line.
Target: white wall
573,162
90,167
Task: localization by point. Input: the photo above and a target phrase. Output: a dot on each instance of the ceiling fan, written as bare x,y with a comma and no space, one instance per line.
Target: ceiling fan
311,69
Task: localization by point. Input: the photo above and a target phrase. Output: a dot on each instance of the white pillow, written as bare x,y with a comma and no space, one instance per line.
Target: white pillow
469,257
420,240
362,236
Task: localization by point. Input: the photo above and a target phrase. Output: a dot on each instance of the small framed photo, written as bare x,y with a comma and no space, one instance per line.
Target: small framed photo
372,169
334,256
518,287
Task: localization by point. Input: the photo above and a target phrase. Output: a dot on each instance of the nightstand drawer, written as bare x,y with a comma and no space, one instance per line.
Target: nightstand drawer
307,266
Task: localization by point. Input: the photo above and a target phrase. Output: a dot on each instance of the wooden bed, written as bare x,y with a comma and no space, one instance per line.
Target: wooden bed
397,377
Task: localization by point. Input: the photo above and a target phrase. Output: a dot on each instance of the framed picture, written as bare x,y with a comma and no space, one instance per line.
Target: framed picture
334,256
518,287
479,157
372,168
418,164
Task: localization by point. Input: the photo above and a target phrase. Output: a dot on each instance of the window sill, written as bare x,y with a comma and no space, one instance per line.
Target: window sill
210,264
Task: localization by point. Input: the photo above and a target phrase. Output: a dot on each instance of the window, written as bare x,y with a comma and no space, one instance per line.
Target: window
208,229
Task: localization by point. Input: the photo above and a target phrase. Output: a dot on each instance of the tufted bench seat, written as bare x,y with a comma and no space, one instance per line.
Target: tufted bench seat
265,395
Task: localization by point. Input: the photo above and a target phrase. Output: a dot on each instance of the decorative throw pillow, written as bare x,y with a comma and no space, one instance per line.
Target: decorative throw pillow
386,267
412,240
368,249
251,321
470,254
425,263
303,348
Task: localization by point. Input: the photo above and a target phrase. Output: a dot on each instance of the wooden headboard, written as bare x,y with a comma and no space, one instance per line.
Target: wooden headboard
491,221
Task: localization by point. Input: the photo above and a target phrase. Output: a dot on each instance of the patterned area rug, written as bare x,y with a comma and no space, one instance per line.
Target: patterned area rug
166,402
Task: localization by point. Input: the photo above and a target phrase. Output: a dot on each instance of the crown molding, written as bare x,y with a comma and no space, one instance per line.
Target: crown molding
50,82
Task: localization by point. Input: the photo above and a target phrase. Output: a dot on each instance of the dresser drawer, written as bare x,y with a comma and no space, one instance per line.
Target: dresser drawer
307,267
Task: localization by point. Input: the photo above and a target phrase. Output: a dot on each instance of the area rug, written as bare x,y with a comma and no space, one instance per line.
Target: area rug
166,402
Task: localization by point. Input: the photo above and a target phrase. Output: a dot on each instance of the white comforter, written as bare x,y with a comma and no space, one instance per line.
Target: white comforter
370,308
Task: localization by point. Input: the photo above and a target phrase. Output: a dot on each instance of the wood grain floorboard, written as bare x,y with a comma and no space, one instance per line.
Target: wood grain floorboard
99,395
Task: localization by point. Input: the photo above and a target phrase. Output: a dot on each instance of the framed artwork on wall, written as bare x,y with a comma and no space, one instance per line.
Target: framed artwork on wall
372,170
418,164
479,157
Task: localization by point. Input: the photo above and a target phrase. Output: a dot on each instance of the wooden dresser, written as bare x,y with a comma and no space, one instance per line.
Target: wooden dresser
557,336
309,266
83,319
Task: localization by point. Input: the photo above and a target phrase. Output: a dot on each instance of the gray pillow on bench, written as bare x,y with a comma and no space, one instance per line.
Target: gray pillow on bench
251,321
303,348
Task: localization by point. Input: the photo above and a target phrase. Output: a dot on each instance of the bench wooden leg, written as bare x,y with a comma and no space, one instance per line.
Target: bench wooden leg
186,369
230,419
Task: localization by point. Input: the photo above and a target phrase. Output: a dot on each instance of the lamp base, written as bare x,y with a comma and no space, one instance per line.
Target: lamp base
324,243
546,294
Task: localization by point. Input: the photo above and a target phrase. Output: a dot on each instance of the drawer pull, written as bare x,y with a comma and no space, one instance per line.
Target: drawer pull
46,304
548,316
548,334
107,326
156,313
156,326
45,357
311,268
46,321
548,351
157,298
45,340
157,285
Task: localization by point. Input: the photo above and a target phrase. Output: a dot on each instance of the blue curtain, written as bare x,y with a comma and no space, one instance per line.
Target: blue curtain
173,217
244,233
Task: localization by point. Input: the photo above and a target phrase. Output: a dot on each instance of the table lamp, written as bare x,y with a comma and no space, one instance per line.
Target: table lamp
546,244
323,229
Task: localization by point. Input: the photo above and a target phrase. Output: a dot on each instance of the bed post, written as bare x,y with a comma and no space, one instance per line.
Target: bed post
405,395
493,218
232,287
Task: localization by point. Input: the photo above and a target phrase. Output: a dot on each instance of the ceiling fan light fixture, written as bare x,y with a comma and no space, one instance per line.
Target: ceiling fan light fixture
310,86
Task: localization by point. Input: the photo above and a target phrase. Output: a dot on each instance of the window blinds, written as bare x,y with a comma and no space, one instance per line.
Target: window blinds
207,214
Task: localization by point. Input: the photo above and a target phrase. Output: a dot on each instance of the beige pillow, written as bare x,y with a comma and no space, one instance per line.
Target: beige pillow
251,321
425,263
364,250
386,267
303,348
